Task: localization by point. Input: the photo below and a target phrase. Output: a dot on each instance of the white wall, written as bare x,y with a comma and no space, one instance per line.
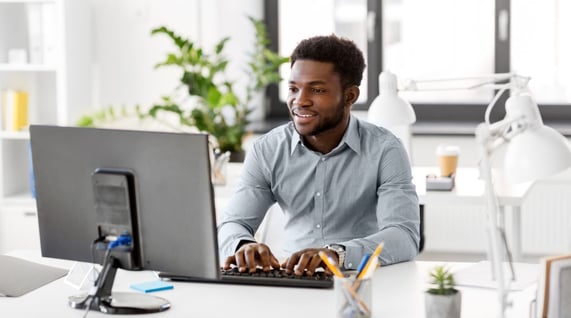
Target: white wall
125,53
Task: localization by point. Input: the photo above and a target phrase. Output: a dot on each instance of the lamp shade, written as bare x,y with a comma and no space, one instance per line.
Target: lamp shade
536,153
388,109
538,150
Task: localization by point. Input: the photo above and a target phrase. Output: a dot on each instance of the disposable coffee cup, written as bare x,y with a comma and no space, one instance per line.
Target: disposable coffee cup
447,159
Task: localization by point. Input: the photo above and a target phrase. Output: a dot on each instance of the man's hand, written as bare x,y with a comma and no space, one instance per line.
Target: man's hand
251,255
307,261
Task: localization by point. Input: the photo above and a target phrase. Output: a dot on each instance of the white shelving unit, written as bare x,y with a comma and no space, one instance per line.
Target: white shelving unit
58,87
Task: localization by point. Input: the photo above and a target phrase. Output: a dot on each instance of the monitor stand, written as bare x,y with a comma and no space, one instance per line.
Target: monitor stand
105,301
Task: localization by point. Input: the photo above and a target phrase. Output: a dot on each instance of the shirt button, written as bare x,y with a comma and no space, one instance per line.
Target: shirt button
318,194
322,159
318,226
350,265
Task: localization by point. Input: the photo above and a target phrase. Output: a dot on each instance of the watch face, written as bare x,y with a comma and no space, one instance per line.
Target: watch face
337,247
340,251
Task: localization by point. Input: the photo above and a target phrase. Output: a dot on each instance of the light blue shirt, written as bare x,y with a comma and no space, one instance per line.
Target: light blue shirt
357,195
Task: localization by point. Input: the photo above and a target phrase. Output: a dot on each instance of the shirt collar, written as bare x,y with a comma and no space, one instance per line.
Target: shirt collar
351,137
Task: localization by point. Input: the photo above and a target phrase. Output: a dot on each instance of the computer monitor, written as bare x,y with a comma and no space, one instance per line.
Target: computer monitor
154,188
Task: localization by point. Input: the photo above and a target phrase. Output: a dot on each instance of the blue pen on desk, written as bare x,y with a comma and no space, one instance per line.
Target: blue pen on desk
364,261
367,270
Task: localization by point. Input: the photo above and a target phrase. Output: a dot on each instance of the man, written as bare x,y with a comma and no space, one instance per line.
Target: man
344,185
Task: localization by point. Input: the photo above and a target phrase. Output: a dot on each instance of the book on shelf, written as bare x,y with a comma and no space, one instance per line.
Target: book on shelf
549,285
14,106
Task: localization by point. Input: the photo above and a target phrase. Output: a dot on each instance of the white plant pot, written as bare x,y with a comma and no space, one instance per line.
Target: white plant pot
443,306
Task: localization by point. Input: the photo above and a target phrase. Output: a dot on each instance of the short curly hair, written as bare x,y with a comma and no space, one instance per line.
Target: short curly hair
346,57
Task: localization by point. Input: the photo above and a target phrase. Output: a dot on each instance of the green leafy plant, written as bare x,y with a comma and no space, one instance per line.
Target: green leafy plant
442,282
205,98
217,110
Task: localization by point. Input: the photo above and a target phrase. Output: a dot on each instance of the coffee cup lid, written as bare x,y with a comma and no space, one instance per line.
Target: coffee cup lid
447,150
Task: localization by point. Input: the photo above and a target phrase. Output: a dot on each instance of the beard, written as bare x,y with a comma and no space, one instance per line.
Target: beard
328,122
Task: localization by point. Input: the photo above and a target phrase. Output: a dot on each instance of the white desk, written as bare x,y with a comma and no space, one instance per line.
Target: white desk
398,292
469,190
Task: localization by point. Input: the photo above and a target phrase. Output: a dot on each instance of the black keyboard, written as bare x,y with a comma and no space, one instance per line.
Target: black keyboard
275,277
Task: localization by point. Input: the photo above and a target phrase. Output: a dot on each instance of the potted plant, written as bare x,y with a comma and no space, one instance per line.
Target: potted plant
208,101
442,299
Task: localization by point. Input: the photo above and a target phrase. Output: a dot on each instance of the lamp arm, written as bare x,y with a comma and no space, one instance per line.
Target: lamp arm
489,138
493,103
490,80
492,136
493,229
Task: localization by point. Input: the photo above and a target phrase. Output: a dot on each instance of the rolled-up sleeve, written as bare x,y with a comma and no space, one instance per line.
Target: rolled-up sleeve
397,211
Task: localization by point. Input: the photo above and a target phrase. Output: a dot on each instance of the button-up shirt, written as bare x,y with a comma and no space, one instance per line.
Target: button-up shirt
357,195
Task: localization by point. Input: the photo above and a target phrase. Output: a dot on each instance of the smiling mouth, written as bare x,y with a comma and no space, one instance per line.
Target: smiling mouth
303,115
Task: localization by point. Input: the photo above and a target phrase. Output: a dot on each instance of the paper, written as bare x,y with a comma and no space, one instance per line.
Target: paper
18,276
543,288
559,289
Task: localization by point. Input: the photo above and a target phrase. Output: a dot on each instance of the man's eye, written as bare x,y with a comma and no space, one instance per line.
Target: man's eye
292,89
318,90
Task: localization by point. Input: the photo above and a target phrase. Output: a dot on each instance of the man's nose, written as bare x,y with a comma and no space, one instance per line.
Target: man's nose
302,98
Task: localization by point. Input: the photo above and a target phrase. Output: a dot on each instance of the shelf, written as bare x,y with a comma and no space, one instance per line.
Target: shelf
5,67
19,135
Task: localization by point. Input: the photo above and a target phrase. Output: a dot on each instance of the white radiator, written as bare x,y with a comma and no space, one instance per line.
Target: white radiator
547,219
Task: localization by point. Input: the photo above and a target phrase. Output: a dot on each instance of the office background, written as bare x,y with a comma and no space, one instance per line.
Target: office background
111,57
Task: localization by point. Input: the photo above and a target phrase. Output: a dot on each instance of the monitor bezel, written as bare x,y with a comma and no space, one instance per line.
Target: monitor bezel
171,170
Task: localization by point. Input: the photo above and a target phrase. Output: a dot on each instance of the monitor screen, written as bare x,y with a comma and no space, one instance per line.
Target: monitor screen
156,186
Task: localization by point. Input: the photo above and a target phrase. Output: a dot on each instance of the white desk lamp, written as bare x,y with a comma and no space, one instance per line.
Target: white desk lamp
532,150
391,111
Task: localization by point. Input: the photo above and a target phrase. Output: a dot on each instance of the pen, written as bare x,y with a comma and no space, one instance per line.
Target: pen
364,261
369,264
366,274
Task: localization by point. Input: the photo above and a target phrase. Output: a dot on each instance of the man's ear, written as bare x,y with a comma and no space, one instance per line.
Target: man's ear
351,94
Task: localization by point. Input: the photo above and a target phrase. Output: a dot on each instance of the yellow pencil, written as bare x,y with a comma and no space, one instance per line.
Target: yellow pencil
334,269
370,261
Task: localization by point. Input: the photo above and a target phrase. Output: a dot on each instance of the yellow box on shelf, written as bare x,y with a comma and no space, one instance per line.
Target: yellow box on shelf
14,110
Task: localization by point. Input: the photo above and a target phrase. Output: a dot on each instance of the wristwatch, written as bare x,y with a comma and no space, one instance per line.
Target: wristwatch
340,250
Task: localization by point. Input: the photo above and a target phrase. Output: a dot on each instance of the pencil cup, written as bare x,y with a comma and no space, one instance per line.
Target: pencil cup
353,297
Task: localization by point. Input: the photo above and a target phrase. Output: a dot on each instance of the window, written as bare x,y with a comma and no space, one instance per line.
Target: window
541,46
290,21
445,39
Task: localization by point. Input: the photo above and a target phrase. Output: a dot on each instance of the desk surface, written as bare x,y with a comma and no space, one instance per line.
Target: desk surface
469,188
398,291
